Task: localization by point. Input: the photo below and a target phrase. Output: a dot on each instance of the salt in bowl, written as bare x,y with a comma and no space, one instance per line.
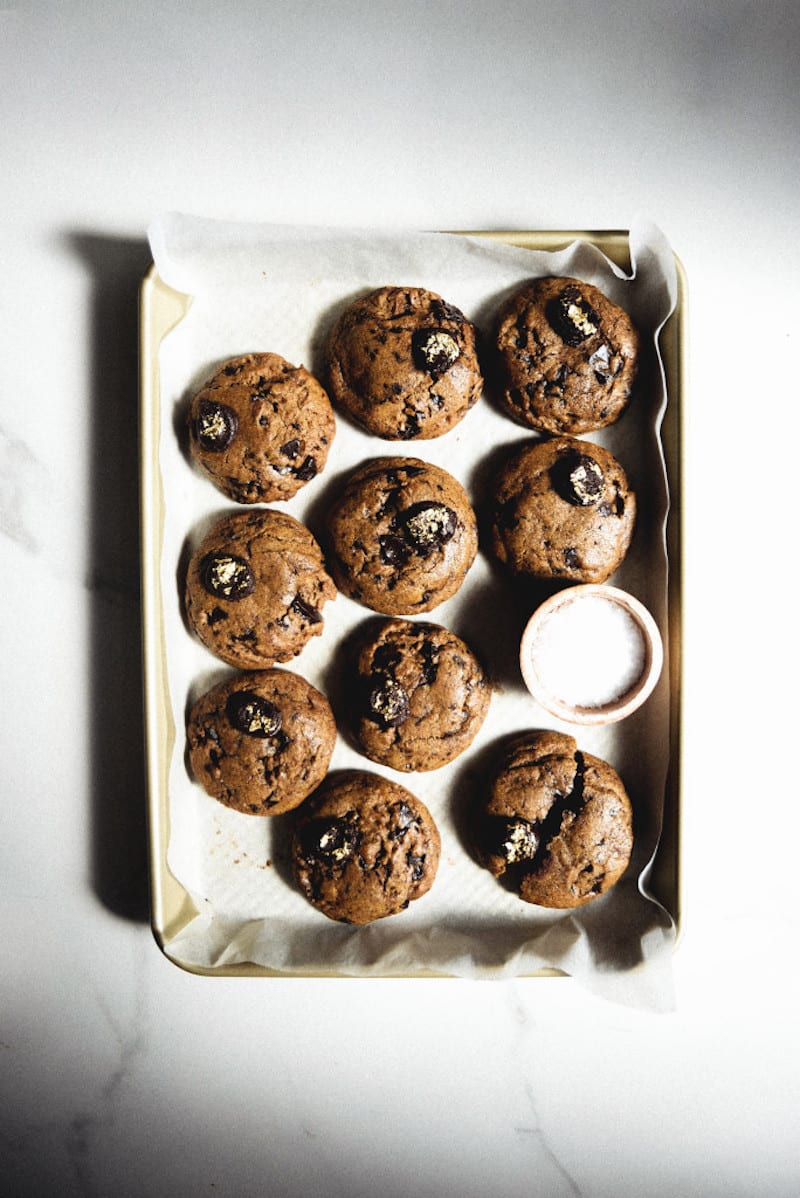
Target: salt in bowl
591,654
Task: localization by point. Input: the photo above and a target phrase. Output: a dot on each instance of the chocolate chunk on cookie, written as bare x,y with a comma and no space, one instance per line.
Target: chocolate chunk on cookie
562,509
418,695
402,535
261,428
557,823
255,588
403,364
261,742
364,848
567,357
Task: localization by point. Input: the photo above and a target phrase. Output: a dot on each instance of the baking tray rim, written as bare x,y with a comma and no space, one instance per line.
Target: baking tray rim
161,308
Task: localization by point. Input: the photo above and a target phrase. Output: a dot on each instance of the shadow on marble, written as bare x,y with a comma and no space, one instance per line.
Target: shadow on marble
118,846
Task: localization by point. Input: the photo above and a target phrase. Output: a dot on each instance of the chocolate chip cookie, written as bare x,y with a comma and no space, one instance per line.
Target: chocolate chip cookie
364,848
261,428
418,695
261,742
557,823
255,587
403,364
402,535
567,357
562,509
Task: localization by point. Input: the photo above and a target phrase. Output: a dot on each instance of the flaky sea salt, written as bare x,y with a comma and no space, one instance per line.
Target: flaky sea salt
589,652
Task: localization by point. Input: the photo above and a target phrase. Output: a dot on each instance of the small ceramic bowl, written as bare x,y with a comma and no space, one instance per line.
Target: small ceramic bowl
591,654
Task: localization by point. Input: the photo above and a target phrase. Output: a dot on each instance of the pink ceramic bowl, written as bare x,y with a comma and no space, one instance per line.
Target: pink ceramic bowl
591,654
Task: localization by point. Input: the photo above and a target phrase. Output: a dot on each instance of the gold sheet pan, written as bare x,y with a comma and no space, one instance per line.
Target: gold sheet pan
161,308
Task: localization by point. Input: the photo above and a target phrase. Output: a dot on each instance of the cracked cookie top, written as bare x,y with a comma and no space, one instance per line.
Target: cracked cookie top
255,588
567,357
557,824
364,848
403,364
261,428
261,741
402,535
418,694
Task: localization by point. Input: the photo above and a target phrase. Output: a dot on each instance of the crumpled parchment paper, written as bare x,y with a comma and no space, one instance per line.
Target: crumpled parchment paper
265,287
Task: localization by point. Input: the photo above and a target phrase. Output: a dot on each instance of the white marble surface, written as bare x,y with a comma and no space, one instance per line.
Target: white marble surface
120,1074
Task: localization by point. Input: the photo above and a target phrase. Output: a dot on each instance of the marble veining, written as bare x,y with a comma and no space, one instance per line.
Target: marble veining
86,1126
19,467
531,1131
536,1132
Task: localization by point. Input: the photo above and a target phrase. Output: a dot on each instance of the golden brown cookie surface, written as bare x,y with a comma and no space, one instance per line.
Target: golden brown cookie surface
562,509
557,822
402,363
567,357
261,428
418,695
261,741
402,535
364,848
255,588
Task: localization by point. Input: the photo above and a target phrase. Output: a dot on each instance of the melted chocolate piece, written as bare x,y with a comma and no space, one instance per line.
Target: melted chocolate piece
305,610
251,714
411,427
387,702
416,865
428,525
578,479
226,576
329,842
405,819
430,662
306,470
442,310
386,658
600,364
434,350
215,425
262,393
517,841
571,316
394,550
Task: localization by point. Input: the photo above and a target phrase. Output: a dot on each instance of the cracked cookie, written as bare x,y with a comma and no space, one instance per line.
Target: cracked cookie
418,696
402,535
261,742
255,587
562,509
566,356
364,848
261,428
403,364
557,824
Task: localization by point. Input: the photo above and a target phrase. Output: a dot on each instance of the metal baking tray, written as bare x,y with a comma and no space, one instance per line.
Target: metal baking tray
161,309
